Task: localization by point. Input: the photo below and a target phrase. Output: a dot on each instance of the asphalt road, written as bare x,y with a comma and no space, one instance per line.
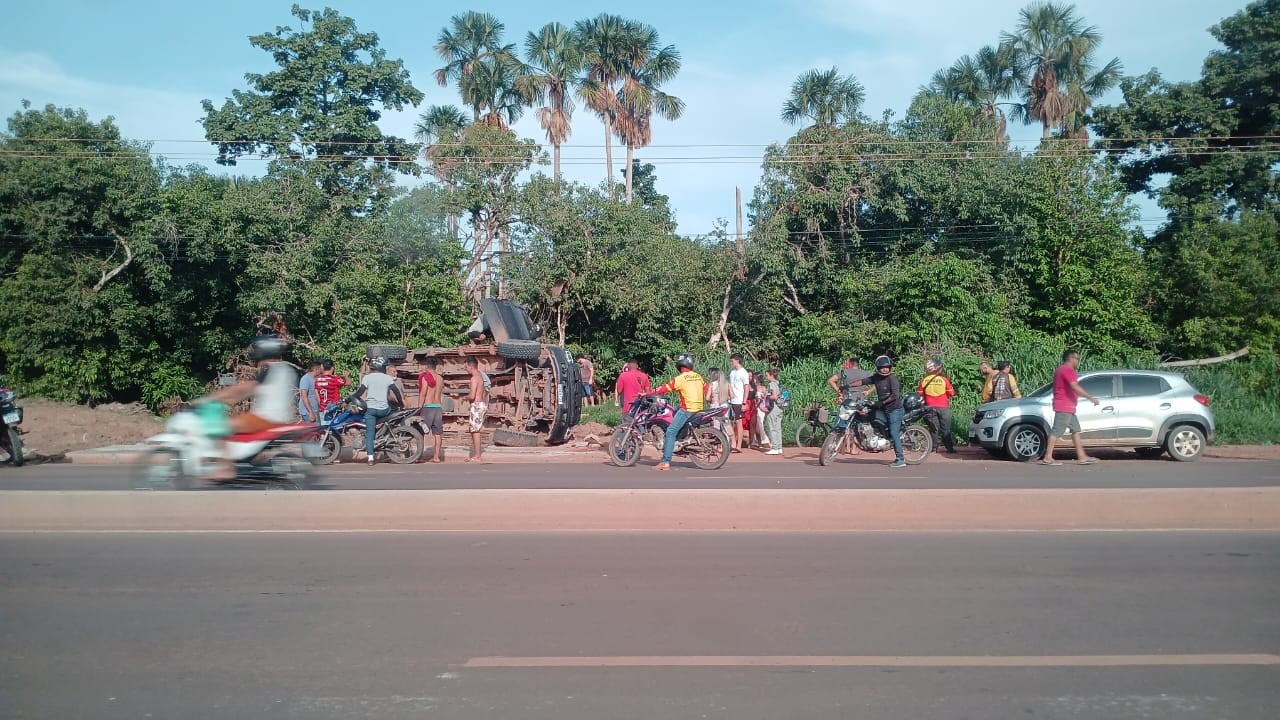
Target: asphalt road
971,472
564,626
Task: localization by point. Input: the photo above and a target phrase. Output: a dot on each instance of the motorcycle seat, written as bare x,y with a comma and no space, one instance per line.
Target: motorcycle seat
272,433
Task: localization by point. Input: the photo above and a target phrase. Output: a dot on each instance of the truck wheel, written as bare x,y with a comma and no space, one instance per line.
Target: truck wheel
520,349
515,438
390,352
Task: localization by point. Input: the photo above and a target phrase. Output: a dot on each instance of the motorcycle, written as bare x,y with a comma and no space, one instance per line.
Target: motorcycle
861,421
10,419
183,454
342,426
648,419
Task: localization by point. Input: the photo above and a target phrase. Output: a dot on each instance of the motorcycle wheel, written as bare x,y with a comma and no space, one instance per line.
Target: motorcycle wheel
331,445
625,447
708,448
160,469
290,471
403,445
917,444
14,446
830,448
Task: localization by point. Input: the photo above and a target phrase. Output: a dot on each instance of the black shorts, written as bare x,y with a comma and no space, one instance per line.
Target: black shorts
735,411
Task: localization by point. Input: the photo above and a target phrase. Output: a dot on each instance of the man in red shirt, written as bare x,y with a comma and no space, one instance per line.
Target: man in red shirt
1066,394
937,391
632,383
329,386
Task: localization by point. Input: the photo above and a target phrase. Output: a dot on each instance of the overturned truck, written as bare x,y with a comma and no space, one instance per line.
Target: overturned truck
536,394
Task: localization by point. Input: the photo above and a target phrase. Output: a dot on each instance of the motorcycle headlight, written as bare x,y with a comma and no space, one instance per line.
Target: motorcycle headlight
6,395
847,411
993,414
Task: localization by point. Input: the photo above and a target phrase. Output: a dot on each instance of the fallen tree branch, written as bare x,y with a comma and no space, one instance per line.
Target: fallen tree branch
108,274
1208,361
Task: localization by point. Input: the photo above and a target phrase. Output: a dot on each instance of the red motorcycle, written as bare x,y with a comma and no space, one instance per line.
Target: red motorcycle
648,419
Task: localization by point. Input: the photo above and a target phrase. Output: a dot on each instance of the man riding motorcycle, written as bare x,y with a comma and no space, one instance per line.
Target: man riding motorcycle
889,395
692,389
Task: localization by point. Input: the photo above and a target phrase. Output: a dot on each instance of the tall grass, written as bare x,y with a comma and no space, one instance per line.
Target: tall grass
1244,394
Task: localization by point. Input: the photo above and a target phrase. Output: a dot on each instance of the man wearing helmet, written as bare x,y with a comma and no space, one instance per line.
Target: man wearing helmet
889,393
381,388
272,390
937,391
692,390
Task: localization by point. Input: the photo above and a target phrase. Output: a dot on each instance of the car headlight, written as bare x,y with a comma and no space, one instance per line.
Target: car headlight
993,414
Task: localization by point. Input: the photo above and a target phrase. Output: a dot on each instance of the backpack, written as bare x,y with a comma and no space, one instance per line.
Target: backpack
784,399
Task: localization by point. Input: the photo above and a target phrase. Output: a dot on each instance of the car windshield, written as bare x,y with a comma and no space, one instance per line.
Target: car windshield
1047,389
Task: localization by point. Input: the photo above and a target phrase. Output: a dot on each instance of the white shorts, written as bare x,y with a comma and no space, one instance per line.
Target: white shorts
478,412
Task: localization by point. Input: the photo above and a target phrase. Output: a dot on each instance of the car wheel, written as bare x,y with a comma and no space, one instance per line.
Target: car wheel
1025,443
1185,442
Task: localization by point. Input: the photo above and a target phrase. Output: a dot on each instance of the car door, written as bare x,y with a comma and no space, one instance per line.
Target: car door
1098,423
1140,407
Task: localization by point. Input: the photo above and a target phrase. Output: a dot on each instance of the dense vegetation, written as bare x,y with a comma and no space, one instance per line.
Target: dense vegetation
122,277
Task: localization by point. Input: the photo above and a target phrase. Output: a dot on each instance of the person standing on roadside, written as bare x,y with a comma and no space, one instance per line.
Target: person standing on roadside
738,380
842,384
773,418
631,384
479,399
329,386
1003,385
889,396
308,399
692,390
937,391
988,381
430,389
382,390
1066,396
587,374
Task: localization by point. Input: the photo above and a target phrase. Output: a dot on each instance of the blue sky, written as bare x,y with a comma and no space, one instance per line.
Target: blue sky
149,63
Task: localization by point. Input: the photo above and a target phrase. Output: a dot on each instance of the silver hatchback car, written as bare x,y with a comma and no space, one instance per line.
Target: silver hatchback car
1154,412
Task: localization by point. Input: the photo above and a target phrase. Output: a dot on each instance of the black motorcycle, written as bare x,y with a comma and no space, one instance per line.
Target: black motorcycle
10,419
398,435
862,422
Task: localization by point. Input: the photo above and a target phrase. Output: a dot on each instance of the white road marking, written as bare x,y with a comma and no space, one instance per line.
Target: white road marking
923,661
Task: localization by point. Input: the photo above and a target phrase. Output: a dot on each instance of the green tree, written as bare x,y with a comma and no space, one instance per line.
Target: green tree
318,111
554,68
1060,49
611,46
481,65
641,95
984,81
824,97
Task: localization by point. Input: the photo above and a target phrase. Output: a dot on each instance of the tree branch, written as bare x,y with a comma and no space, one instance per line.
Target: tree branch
108,274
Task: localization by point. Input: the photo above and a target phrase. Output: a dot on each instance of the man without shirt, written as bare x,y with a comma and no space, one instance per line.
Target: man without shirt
479,398
430,388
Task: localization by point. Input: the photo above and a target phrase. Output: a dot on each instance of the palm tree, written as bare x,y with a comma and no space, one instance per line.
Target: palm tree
493,87
441,124
554,66
472,40
983,81
824,97
641,96
1060,49
611,45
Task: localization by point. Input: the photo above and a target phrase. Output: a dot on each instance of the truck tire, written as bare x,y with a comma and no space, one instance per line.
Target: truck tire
520,350
390,352
515,438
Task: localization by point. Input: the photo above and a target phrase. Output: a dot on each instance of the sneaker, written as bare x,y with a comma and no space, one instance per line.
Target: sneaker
774,452
371,461
898,464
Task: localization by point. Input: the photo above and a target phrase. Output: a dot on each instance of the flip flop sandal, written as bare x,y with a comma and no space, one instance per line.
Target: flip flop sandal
1053,463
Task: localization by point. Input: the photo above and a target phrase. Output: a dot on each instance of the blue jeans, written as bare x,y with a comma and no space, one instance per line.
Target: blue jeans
669,444
371,418
895,431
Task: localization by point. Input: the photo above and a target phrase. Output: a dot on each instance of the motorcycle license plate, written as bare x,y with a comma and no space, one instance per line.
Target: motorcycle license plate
13,417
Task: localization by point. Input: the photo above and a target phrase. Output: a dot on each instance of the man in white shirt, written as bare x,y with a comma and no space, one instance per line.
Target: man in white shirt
381,388
738,380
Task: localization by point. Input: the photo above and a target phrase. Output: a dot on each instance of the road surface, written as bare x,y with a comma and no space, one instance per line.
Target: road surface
564,626
795,473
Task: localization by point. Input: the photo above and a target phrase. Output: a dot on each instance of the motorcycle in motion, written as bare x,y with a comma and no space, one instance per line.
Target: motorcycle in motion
863,422
184,454
10,419
398,438
648,419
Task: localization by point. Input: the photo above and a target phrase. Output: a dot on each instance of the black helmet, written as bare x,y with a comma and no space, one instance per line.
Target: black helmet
684,360
378,364
883,362
267,347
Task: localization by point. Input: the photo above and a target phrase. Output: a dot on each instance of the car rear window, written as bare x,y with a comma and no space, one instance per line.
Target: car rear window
1142,385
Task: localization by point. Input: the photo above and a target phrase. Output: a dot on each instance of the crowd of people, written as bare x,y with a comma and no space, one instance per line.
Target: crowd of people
756,400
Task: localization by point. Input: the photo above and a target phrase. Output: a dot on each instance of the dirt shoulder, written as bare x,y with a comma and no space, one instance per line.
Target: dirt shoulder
52,429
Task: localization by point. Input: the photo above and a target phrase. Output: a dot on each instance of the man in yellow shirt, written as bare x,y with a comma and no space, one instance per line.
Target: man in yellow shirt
692,390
